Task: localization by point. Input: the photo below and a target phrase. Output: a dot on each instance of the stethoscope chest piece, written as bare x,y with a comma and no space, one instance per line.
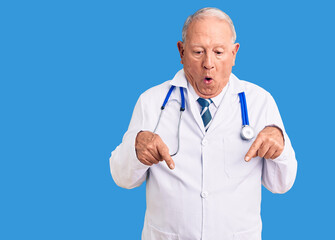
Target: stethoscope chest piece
247,132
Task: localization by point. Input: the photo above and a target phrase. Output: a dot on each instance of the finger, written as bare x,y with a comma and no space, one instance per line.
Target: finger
264,148
277,154
153,160
151,153
164,152
145,162
269,154
154,155
253,149
147,156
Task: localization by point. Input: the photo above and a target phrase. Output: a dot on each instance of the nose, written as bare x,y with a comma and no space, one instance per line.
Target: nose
208,62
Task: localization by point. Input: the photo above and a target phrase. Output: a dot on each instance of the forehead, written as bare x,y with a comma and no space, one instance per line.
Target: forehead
209,29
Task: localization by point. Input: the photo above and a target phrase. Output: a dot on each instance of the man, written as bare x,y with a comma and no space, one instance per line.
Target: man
211,189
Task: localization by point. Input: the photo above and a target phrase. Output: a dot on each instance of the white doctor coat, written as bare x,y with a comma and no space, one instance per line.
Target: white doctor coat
212,194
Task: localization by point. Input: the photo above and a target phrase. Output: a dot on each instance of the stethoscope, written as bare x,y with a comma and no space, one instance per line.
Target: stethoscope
182,109
247,132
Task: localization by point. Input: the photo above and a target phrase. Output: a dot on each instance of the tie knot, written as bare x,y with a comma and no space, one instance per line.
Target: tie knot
204,102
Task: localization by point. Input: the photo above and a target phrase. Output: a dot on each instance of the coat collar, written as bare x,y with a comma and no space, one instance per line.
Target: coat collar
235,85
179,80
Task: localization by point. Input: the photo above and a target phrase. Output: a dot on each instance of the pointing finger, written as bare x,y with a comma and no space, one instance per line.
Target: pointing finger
164,152
253,149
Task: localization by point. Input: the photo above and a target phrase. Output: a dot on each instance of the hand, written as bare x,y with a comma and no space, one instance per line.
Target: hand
269,144
150,149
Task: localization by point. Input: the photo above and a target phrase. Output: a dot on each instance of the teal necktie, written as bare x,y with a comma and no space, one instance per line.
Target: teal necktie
205,113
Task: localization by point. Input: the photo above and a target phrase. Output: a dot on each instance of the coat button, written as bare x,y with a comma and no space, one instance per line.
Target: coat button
204,194
204,142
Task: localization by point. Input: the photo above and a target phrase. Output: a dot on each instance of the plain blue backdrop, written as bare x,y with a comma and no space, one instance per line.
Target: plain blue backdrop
71,73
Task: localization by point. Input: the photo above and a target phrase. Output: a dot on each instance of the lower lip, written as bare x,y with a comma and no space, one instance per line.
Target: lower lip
208,81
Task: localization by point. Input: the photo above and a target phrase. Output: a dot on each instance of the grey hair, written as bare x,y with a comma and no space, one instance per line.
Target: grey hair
208,11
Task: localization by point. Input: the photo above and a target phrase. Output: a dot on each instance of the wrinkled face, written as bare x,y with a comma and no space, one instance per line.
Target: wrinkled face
208,55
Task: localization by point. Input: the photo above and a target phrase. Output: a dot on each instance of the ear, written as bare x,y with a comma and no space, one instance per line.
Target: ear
236,47
180,46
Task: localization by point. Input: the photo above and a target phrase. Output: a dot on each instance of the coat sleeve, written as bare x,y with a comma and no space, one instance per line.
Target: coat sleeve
279,174
127,171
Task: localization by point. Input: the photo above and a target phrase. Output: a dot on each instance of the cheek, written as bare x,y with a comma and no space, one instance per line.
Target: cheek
225,63
226,58
192,66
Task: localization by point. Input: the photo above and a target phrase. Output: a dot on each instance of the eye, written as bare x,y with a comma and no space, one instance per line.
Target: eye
198,52
219,52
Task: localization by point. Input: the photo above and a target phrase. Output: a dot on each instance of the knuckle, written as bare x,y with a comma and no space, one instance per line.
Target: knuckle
145,153
261,153
150,146
156,137
165,151
262,134
253,147
279,147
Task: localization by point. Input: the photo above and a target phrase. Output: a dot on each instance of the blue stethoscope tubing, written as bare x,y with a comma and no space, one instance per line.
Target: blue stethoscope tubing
244,110
247,132
182,106
182,109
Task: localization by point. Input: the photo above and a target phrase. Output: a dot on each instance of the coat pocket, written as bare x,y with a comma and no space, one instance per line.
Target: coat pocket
156,234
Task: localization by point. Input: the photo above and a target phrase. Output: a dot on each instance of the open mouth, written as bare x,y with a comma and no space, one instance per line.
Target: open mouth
208,80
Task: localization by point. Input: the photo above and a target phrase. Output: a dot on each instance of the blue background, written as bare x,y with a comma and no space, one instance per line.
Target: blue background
71,72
